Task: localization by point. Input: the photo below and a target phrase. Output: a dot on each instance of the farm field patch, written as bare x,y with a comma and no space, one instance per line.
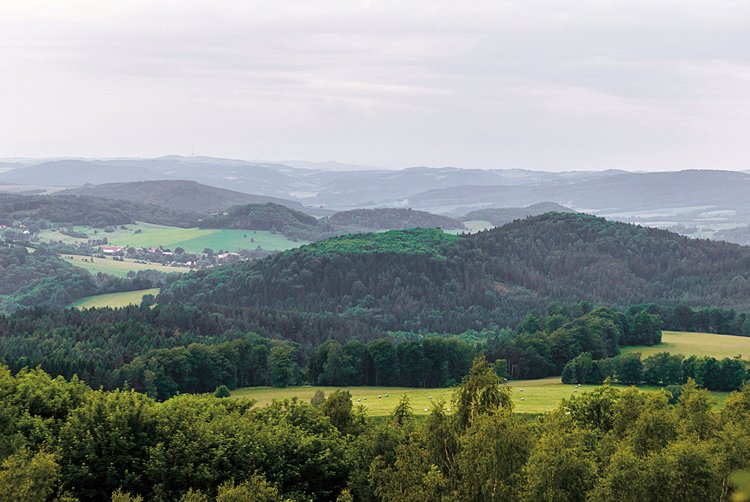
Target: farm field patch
699,344
529,396
116,267
193,240
114,299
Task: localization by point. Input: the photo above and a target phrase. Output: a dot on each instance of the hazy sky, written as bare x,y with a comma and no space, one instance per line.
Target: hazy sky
551,85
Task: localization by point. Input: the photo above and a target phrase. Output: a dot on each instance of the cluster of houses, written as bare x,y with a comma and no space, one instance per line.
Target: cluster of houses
165,257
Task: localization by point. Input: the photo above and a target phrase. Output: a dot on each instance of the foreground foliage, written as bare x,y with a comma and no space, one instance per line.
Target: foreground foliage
61,440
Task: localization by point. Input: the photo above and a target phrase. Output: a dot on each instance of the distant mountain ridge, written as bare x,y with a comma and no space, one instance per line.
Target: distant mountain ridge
707,201
178,195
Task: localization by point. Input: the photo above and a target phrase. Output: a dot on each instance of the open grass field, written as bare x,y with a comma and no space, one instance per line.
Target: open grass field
529,396
114,299
706,344
117,268
193,240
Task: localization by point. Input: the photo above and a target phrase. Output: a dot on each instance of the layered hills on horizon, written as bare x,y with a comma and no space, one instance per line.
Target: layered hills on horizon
699,203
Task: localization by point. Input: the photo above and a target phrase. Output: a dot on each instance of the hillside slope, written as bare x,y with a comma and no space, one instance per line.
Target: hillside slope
178,195
442,282
268,216
85,210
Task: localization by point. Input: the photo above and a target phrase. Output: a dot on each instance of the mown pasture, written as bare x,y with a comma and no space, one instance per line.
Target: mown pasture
699,344
116,267
529,396
193,240
114,299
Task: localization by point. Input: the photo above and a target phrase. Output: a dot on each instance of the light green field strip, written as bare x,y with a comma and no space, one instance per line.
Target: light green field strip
529,396
117,268
114,299
193,240
699,344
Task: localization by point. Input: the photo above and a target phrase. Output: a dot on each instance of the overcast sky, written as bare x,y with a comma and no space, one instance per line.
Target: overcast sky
557,85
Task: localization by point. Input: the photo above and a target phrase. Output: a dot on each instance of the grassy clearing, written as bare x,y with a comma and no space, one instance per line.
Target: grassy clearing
193,240
529,396
114,299
699,344
117,268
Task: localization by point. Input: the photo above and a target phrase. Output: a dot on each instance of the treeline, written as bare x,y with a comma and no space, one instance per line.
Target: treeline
165,350
659,369
543,345
62,441
727,321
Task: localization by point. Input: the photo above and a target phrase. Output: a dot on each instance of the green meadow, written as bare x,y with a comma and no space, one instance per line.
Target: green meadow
114,299
116,267
529,396
193,240
699,344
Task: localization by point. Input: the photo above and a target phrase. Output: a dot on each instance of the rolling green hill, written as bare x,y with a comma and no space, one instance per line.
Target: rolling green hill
439,282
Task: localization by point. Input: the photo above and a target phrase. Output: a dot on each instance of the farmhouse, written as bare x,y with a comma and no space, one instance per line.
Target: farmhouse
112,249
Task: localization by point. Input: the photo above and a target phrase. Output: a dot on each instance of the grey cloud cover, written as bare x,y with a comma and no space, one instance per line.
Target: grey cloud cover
542,85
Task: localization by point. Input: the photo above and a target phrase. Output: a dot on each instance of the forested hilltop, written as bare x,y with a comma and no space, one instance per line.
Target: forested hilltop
428,280
269,216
